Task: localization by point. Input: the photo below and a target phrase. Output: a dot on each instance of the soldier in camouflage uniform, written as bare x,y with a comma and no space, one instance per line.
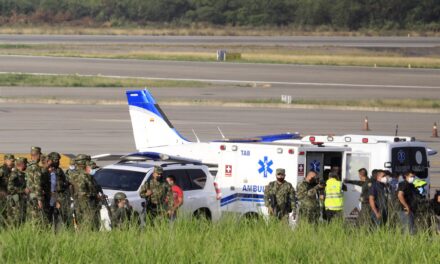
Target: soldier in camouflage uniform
34,188
121,211
5,171
56,190
156,191
279,197
308,197
83,191
71,169
364,217
16,193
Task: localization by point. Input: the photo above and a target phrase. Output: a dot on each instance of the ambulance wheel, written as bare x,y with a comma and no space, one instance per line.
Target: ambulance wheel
202,213
251,216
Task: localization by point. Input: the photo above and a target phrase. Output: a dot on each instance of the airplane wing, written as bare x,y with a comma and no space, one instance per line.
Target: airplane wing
431,152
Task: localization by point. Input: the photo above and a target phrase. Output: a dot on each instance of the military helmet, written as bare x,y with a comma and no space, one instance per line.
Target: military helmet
54,156
81,159
21,160
120,196
280,171
9,157
158,169
35,150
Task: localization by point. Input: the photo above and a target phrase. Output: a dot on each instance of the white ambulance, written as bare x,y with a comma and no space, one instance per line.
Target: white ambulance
246,168
397,154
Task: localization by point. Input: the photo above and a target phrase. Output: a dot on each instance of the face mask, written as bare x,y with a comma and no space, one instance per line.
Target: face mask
384,180
411,180
280,179
71,167
92,172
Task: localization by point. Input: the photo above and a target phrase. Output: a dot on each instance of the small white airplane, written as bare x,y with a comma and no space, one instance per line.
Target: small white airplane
156,138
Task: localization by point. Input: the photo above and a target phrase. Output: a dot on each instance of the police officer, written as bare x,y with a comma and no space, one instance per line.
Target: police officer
156,192
308,197
407,195
121,211
364,217
378,199
5,171
34,187
55,187
279,196
16,192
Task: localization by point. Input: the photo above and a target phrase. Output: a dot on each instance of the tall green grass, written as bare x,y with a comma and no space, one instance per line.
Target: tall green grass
19,79
228,241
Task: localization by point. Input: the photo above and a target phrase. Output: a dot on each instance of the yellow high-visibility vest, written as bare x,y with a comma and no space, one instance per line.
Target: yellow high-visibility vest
334,200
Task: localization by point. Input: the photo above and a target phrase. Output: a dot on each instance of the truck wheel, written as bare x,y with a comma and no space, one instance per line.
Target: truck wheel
202,213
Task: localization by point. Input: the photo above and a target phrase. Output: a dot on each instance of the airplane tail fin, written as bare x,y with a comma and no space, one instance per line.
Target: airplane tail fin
151,127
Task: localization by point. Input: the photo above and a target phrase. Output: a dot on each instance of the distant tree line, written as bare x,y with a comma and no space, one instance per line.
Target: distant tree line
338,14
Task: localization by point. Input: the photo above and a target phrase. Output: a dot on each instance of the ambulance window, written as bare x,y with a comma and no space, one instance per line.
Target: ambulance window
410,158
198,178
213,172
356,161
182,179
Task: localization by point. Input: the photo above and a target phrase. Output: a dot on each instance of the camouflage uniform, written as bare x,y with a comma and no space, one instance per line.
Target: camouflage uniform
120,216
5,171
364,217
57,193
160,193
34,188
308,198
71,169
280,195
17,195
83,191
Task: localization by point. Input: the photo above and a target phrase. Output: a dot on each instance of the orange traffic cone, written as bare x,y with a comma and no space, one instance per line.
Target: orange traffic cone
434,130
366,126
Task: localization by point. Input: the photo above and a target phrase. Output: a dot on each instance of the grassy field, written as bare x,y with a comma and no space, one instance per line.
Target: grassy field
30,80
228,241
14,79
200,30
337,56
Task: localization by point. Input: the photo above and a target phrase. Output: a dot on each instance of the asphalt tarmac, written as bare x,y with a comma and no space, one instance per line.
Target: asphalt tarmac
227,93
302,41
97,129
354,78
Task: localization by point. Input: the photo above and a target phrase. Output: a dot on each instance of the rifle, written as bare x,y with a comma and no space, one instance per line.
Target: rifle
103,201
321,192
74,219
274,205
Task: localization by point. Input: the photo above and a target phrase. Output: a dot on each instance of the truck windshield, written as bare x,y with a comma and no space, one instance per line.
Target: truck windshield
123,180
404,159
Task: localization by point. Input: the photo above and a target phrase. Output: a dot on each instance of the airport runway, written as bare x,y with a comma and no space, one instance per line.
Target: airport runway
233,73
217,92
97,129
364,42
